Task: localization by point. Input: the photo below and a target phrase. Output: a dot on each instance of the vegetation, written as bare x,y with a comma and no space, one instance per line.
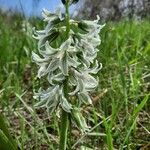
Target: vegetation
120,116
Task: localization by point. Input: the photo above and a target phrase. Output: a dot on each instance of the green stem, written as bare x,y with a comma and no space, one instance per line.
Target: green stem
64,122
63,130
67,19
65,116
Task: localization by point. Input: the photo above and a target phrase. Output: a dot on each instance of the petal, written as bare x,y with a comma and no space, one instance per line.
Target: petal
66,106
72,61
64,64
84,97
38,59
79,119
42,71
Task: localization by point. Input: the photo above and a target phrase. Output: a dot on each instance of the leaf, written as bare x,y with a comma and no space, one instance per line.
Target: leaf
5,144
134,118
140,106
6,140
108,134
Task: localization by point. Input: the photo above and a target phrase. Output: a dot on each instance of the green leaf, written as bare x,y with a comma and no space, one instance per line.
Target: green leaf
108,134
6,140
5,144
134,118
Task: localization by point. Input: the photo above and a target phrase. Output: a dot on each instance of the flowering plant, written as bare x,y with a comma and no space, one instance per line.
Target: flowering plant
67,52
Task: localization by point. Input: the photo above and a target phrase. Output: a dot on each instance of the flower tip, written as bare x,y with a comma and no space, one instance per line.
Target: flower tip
35,97
39,76
44,10
98,17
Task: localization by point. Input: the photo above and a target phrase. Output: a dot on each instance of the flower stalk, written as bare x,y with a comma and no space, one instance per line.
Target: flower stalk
64,123
67,19
65,116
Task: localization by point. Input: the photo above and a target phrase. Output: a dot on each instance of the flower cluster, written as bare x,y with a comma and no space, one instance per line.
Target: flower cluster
72,58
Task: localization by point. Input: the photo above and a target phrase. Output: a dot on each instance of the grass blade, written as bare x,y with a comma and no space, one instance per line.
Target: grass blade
133,119
108,134
6,140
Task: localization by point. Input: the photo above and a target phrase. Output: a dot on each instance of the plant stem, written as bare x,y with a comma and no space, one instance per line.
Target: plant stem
63,130
65,115
67,19
64,122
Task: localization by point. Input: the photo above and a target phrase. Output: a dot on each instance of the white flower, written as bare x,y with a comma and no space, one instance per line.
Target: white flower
71,58
48,16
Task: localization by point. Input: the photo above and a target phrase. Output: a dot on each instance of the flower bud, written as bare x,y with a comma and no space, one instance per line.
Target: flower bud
70,1
63,1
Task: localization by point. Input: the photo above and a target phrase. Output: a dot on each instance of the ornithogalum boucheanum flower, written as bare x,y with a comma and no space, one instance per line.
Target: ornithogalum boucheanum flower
71,59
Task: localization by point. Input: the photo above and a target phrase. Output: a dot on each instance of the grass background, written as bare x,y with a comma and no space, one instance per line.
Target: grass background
120,118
